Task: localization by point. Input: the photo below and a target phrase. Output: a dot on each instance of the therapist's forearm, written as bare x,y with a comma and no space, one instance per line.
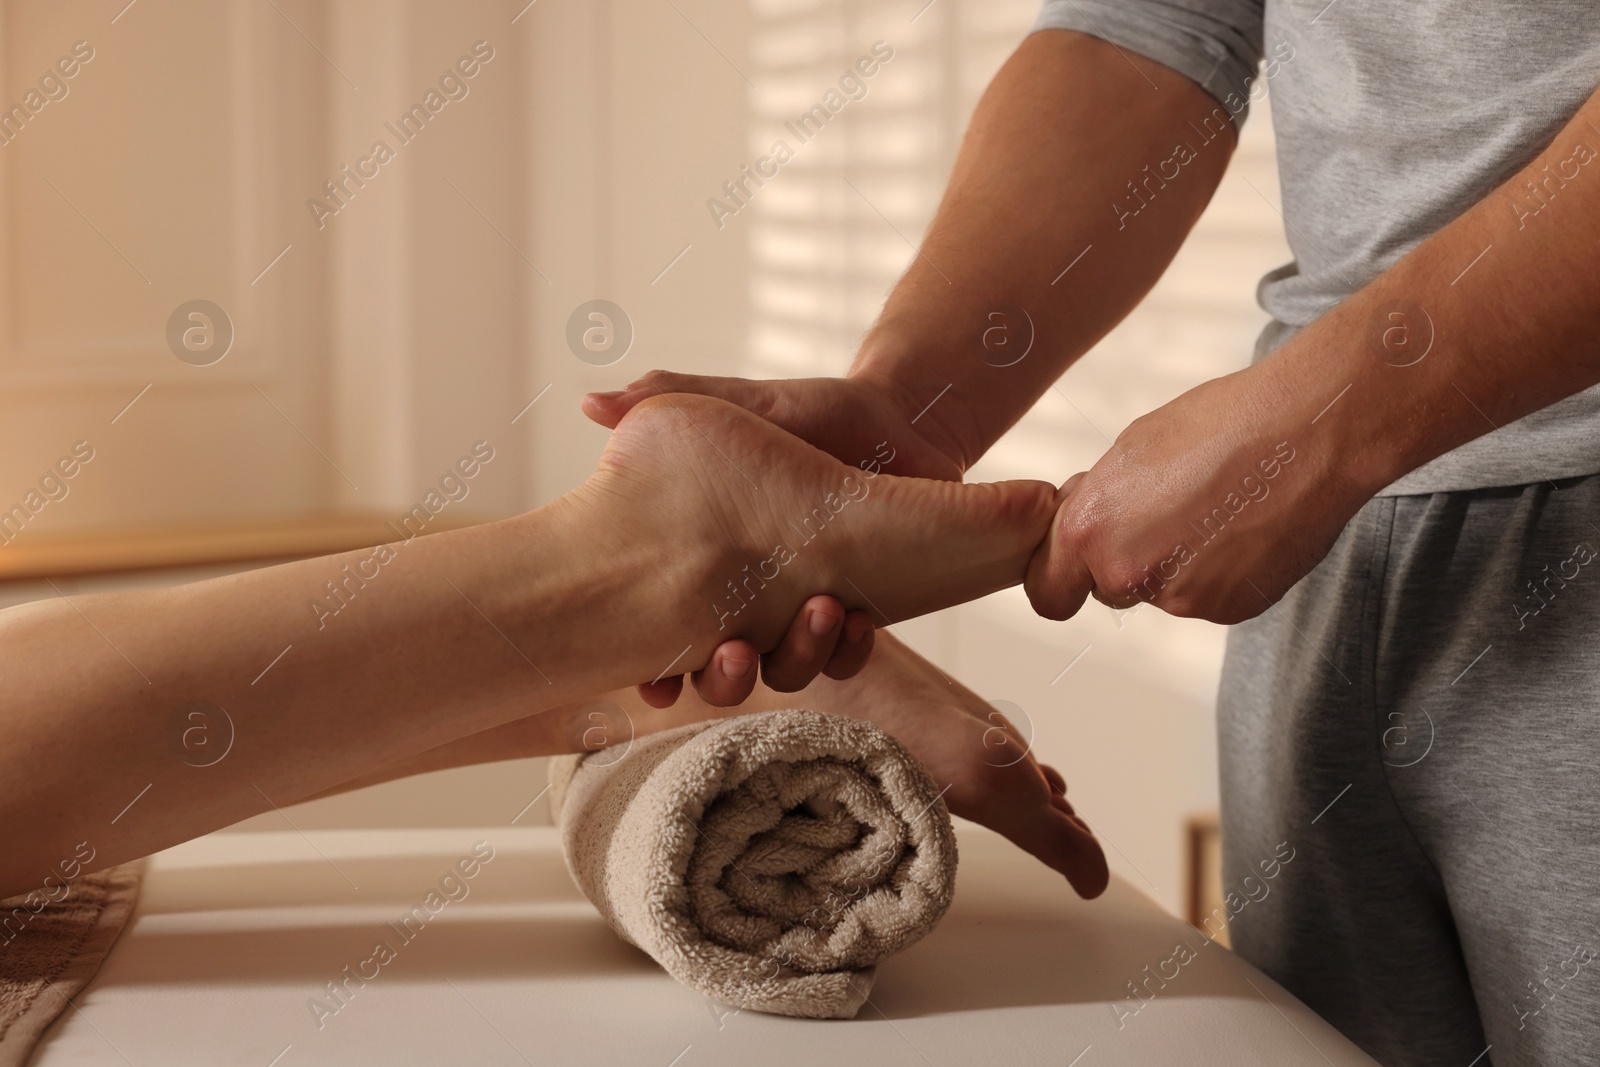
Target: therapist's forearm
1491,318
1071,160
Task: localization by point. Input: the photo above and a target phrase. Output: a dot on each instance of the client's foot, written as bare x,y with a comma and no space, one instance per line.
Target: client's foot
983,764
766,521
967,746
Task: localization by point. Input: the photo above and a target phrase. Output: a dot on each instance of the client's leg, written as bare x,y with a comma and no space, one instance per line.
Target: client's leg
703,523
981,763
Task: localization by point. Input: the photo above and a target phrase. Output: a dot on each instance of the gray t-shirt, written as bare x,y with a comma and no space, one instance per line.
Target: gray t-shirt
1391,120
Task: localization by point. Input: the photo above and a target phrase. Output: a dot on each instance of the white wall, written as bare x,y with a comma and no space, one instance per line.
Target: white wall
165,174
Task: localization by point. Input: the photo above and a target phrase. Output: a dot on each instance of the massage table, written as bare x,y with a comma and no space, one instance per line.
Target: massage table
237,935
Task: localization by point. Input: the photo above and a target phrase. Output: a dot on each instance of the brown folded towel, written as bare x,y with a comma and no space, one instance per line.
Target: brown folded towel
767,861
50,949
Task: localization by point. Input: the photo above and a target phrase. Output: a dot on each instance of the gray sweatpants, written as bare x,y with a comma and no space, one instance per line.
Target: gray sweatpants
1419,720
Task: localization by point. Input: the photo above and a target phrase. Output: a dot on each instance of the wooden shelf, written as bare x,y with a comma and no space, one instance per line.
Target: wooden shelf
182,545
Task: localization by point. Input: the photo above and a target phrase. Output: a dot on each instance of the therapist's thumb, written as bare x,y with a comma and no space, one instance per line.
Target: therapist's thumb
1059,580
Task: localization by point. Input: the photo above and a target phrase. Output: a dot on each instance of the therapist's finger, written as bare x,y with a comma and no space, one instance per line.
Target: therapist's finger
607,409
1058,580
1069,486
661,693
806,648
730,677
854,647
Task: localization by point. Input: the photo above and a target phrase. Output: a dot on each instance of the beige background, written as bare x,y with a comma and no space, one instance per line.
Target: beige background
432,308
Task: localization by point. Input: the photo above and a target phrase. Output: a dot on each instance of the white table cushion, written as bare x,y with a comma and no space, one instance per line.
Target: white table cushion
236,935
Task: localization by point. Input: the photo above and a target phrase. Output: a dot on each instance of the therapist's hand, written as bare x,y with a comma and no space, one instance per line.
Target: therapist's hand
855,420
823,640
1211,506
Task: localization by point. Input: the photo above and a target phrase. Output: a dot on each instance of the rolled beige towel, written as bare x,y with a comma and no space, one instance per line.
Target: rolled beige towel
768,861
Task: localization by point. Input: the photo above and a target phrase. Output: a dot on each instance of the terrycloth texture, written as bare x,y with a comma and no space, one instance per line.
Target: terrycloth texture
768,861
54,951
